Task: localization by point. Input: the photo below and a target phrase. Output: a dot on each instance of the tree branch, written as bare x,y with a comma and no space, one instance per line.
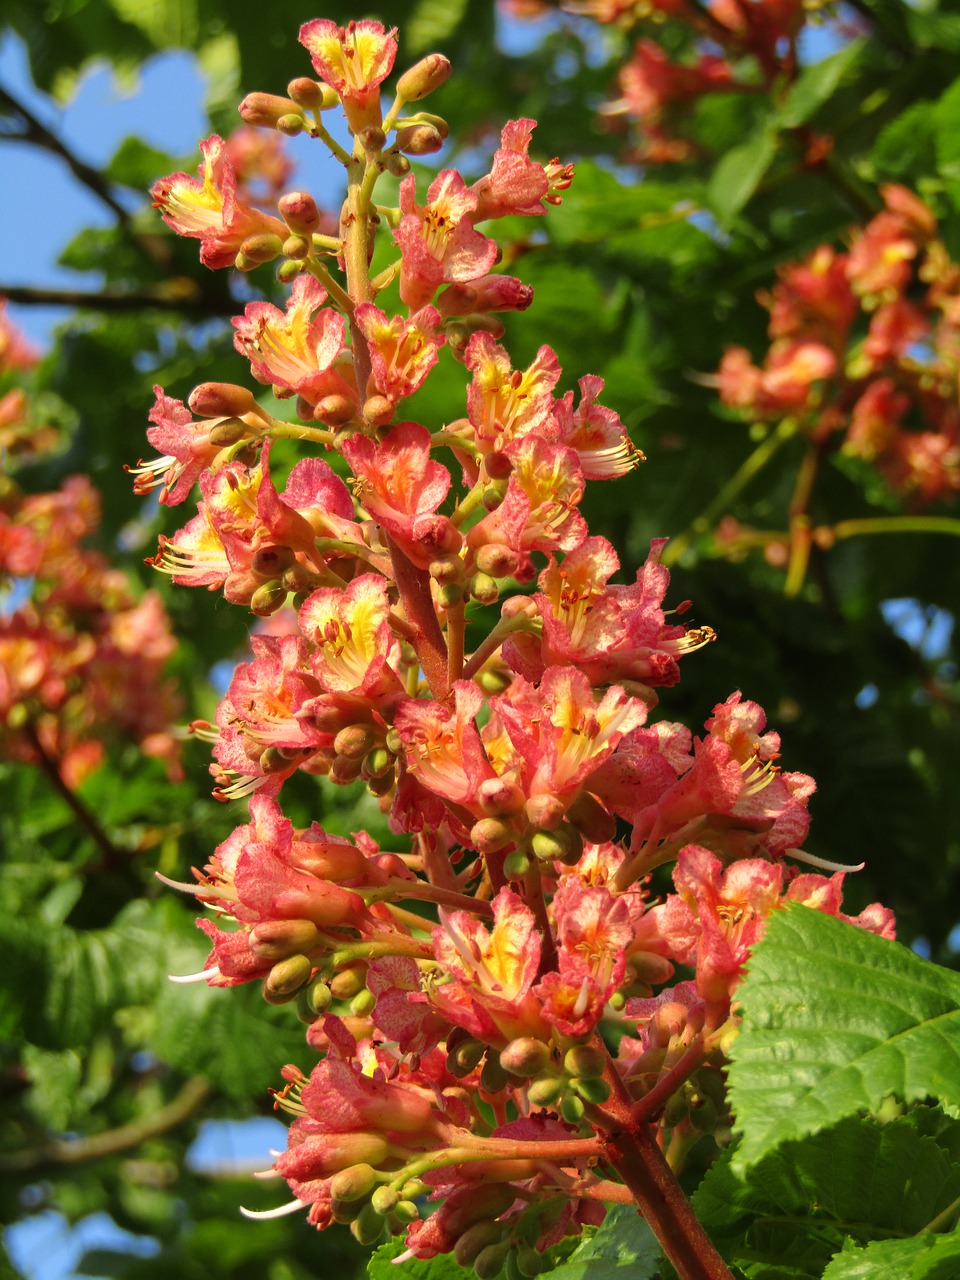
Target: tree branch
34,296
77,1150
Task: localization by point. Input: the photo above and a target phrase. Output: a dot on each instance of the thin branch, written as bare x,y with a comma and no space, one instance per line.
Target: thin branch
112,856
34,296
127,1136
39,135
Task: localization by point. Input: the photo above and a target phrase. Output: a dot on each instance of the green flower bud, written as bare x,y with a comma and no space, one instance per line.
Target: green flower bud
525,1057
546,1091
572,1108
595,1091
362,1003
277,939
385,1199
584,1061
348,983
516,864
355,1184
354,741
475,1239
367,1226
313,1001
464,1058
489,1262
288,271
423,77
493,1078
291,124
265,110
288,976
406,1212
229,432
378,763
529,1261
298,247
268,598
483,588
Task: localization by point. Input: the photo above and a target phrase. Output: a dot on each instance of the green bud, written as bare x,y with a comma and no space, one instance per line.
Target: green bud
593,1090
525,1057
367,1226
493,1078
584,1061
490,834
423,77
263,247
229,432
313,1001
484,588
287,271
297,247
393,742
288,976
529,1261
406,1211
677,1109
381,786
271,561
378,763
450,595
385,1199
353,1185
516,864
415,1187
489,1262
291,124
277,939
268,598
348,983
703,1113
565,844
572,1108
475,1239
464,1058
362,1003
546,1091
397,165
494,494
446,569
354,741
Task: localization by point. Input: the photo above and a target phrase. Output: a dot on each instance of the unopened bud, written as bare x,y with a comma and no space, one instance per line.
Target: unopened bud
500,798
221,399
475,1239
277,939
297,247
494,494
545,1092
381,786
274,760
516,864
497,560
271,561
397,165
300,212
498,465
525,1057
297,578
385,1199
493,1078
378,763
584,1061
450,595
594,1091
313,1001
489,1262
229,432
291,125
493,681
367,1226
423,77
484,589
372,139
353,1184
703,1113
267,599
544,811
347,983
288,271
446,569
263,247
490,834
651,969
404,1213
572,1108
312,96
265,110
354,741
393,742
378,410
529,1261
419,140
335,410
345,769
288,976
464,1058
591,819
362,1003
564,844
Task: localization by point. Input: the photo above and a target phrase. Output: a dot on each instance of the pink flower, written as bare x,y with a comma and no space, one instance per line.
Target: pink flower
356,650
299,352
402,352
437,240
504,404
209,210
401,487
354,60
516,184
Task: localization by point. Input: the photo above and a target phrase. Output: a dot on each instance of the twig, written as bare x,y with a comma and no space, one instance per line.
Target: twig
34,296
77,1150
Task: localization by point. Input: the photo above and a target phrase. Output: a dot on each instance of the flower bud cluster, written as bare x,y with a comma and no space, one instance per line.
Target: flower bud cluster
81,653
465,1042
864,351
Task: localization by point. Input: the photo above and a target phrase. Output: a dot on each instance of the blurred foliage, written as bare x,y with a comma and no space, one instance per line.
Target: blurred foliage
641,277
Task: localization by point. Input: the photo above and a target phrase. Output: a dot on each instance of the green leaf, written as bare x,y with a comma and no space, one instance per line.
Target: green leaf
860,1179
740,172
432,22
925,1257
816,84
442,1267
624,1248
836,1019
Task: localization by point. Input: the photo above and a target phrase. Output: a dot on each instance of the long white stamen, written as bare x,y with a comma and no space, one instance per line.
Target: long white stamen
283,1211
195,977
800,855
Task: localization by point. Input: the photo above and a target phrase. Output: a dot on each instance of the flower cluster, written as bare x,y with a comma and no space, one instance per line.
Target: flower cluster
81,654
864,351
466,1097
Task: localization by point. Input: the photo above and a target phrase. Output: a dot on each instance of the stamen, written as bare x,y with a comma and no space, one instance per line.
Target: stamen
283,1211
799,855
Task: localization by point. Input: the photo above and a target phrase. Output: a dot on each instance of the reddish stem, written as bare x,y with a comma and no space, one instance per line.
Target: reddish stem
635,1155
414,587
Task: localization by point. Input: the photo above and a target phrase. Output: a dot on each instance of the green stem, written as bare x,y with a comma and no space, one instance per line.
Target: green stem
332,286
943,1219
505,627
892,524
294,431
755,463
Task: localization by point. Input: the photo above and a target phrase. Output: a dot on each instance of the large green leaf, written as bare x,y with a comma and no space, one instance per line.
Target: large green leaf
740,172
442,1267
836,1019
924,1257
816,84
624,1248
858,1180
